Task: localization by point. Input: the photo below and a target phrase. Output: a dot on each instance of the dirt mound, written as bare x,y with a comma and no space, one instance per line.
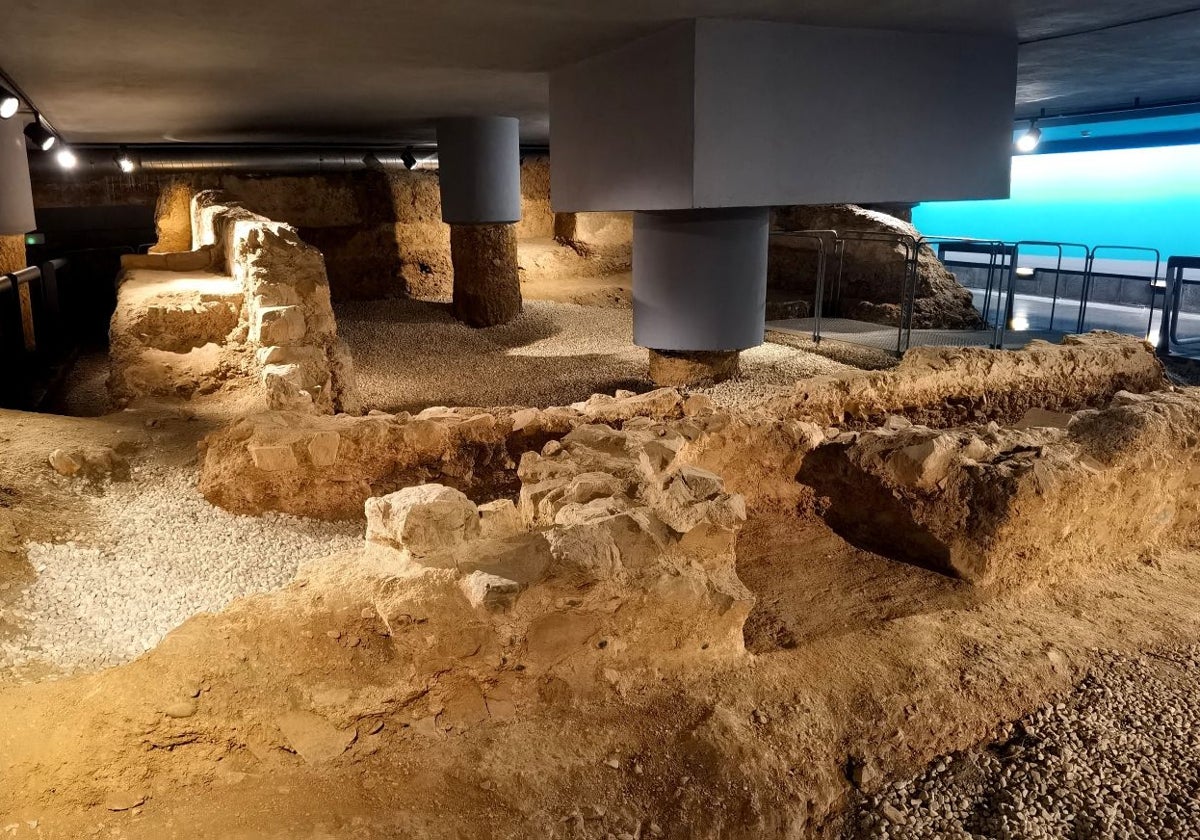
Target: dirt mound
872,271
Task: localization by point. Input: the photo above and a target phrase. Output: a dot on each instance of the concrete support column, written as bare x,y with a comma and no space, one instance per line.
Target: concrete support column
16,194
479,163
699,290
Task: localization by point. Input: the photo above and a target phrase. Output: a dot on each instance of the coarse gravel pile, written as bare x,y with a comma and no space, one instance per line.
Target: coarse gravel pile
1120,758
159,553
411,354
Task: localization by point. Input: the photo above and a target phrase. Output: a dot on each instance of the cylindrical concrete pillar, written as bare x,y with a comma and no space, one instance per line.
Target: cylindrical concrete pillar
16,193
479,168
699,289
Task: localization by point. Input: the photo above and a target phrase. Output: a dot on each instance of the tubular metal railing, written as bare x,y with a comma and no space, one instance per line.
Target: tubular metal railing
1089,276
1176,282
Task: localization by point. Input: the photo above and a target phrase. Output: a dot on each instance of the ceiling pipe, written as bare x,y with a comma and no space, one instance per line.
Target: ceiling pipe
245,159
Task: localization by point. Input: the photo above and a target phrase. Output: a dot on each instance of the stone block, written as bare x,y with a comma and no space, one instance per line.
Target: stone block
273,458
278,325
427,521
490,591
499,519
323,448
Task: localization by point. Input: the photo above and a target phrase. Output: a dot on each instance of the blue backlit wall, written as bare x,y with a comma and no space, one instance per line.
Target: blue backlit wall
1148,196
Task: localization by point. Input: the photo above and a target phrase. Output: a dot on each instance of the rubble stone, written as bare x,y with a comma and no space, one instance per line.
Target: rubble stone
423,521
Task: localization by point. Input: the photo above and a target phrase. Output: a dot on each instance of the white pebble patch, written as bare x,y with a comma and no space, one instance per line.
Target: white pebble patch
160,553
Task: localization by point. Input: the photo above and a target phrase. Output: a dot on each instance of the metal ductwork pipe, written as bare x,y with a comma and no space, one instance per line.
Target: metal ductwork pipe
237,159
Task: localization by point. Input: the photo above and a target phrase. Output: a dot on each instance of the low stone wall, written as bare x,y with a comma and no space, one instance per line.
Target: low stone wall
266,462
329,466
1012,505
946,386
283,336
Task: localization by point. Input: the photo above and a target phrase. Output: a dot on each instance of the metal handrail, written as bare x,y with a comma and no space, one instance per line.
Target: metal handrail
1002,321
908,284
971,245
1173,301
820,237
1089,276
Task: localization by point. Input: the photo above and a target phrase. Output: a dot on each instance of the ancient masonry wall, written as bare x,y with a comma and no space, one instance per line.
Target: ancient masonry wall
380,231
285,325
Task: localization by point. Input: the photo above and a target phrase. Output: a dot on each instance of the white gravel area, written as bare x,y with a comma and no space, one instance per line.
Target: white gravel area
411,354
1119,758
159,554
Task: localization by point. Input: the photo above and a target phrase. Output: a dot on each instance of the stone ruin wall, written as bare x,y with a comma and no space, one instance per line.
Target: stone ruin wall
274,317
382,236
1090,445
381,232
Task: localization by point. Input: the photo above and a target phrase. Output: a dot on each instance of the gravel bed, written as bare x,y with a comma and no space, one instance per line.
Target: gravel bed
1120,758
411,354
159,554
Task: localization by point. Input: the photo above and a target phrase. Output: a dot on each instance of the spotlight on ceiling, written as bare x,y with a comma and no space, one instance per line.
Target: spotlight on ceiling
8,103
408,158
1028,141
124,162
39,135
66,158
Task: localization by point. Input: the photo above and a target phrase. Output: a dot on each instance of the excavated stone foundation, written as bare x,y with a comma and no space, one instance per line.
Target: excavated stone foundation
245,315
679,369
487,289
945,386
999,505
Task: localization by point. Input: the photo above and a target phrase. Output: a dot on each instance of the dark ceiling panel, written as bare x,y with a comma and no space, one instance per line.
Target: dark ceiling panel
379,70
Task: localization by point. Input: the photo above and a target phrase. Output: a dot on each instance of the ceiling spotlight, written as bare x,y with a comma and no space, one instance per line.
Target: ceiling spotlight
408,158
8,103
66,158
124,162
39,135
1028,141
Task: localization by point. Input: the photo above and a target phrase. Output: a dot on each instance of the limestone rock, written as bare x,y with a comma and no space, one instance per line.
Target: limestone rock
499,518
273,458
323,449
64,462
424,521
490,591
978,503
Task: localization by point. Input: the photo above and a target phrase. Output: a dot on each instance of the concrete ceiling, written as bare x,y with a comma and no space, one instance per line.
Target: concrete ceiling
140,71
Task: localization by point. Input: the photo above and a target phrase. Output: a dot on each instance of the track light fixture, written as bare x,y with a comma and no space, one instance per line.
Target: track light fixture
1028,141
408,158
9,103
124,162
39,135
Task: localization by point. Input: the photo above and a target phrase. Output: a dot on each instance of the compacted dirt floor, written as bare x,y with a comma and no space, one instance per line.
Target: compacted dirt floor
902,703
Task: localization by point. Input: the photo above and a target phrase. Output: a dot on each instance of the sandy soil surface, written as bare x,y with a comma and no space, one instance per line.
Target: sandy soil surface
855,659
862,673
